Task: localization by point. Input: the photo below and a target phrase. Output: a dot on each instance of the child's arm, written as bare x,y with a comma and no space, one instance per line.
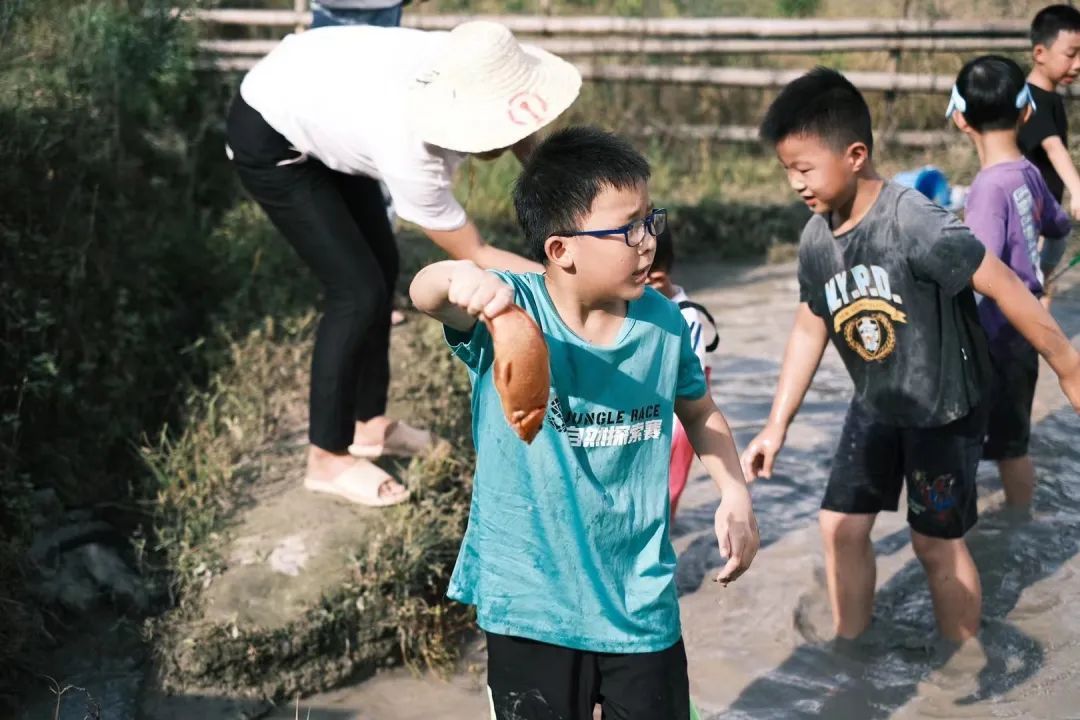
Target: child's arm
995,280
1055,222
1059,157
805,346
456,292
736,526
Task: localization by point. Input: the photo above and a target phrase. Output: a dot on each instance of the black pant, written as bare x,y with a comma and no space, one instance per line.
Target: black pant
873,461
531,680
1016,372
338,226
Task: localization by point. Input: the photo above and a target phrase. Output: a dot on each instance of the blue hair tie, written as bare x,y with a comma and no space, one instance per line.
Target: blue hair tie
1023,99
957,102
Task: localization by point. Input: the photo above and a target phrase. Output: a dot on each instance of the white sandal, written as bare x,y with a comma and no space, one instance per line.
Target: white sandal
359,484
400,440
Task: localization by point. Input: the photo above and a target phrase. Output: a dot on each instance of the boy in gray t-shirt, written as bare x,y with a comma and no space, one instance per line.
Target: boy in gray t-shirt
889,276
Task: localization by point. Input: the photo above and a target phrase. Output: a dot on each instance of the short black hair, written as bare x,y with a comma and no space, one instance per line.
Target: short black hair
989,86
821,103
564,175
1052,20
664,257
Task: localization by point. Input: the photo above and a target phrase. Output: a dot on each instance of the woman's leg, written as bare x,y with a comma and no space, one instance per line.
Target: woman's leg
375,433
304,201
365,203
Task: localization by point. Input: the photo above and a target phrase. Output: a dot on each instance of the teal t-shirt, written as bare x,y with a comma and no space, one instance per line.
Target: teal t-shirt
567,541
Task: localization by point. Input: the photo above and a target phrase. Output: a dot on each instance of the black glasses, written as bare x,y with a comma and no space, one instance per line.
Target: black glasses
633,232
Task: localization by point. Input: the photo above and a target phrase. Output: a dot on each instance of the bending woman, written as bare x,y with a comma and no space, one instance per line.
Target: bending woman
316,124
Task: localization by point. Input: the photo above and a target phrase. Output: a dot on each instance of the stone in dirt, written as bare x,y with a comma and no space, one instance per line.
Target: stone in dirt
284,553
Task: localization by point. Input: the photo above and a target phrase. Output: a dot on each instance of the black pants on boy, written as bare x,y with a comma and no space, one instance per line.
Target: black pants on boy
531,680
337,225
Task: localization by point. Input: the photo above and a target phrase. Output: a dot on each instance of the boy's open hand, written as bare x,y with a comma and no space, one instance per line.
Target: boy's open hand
737,533
760,454
478,292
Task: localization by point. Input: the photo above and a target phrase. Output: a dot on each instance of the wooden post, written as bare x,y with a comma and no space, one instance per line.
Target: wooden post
890,95
300,6
891,122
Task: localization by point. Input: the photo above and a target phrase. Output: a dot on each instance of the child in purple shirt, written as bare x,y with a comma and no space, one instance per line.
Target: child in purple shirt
1008,206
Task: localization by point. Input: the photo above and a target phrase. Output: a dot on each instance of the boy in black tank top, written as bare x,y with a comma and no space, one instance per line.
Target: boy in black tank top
1044,138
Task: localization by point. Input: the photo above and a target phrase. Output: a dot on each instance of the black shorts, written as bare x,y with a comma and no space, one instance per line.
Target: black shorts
531,680
873,460
1011,398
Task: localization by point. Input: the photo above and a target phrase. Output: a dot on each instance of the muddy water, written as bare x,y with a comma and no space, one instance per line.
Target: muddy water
761,648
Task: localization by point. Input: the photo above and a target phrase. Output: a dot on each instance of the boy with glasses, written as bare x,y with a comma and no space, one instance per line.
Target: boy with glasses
567,555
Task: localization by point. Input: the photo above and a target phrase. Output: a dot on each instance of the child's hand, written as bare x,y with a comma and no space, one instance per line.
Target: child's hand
1070,385
1074,207
478,292
760,454
737,532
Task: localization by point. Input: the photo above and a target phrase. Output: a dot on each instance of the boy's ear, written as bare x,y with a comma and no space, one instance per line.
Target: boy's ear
559,252
961,122
1038,53
858,155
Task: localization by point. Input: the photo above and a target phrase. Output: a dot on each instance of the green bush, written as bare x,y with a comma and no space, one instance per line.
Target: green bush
112,180
798,8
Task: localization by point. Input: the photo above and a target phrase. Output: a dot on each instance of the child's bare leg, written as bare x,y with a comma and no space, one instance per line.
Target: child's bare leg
850,569
954,584
1018,477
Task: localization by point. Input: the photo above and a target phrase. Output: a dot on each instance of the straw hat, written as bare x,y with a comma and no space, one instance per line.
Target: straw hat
486,91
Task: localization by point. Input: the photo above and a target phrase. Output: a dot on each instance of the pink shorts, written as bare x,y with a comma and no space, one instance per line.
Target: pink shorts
682,457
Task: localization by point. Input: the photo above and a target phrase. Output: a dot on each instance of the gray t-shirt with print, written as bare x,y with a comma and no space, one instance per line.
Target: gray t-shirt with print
895,293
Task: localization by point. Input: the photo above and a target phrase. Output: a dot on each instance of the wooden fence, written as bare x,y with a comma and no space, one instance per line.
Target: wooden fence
585,40
765,28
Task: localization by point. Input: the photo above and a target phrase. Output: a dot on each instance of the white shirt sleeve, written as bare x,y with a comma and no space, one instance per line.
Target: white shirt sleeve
697,334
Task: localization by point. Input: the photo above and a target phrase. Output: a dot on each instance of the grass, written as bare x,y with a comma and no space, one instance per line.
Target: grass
392,607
